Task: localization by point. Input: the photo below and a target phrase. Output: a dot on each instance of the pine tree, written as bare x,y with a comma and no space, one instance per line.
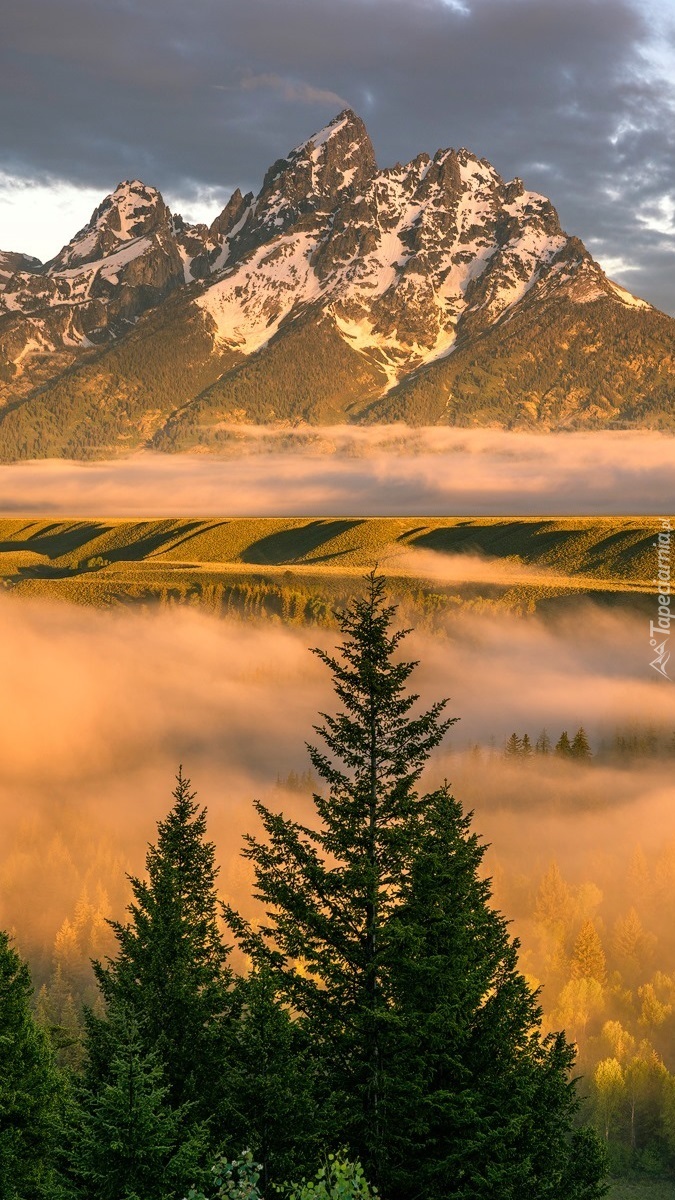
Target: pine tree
330,892
171,970
513,747
381,937
588,957
563,746
526,746
59,1015
128,1141
580,747
30,1090
485,1105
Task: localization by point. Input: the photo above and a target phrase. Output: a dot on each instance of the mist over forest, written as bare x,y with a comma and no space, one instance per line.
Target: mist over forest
106,703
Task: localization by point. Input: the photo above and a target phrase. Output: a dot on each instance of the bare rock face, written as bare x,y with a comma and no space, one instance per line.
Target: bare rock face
11,262
403,267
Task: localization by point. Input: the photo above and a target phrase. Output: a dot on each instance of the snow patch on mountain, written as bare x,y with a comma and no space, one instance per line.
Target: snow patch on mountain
627,297
248,306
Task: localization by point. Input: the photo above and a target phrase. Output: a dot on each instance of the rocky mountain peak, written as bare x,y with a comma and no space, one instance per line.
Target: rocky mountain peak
341,155
132,211
337,160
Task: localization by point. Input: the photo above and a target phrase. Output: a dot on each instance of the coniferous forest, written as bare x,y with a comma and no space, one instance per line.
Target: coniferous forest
370,1030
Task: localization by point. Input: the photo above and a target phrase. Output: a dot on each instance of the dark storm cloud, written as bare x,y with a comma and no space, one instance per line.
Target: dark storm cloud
206,95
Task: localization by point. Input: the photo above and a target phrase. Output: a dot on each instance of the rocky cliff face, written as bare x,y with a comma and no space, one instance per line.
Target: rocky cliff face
388,275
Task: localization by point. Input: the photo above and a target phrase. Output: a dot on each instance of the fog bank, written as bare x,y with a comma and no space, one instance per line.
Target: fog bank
384,470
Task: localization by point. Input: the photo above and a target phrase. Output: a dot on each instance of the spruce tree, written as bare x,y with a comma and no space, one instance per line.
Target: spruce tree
513,747
381,937
588,956
171,971
484,1104
128,1141
563,746
330,891
580,746
30,1089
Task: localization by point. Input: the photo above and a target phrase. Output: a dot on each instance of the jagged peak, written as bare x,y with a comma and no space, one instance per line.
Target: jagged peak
345,123
232,214
132,210
127,207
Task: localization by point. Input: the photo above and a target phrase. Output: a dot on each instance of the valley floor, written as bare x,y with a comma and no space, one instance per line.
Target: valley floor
300,568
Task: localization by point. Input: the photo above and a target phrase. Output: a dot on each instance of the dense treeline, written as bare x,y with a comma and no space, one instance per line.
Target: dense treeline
610,983
381,1011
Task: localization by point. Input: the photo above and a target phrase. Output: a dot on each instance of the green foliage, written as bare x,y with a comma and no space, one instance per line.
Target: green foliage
580,747
306,373
232,1180
554,366
563,746
30,1089
113,402
238,1179
326,922
127,1140
181,562
339,1179
271,1081
483,1103
58,1014
169,382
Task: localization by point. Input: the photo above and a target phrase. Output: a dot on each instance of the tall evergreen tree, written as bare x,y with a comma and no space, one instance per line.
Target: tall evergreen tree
381,937
171,971
543,743
588,956
513,747
29,1088
330,891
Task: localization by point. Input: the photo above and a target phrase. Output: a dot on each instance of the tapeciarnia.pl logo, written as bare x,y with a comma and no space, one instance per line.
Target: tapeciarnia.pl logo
659,630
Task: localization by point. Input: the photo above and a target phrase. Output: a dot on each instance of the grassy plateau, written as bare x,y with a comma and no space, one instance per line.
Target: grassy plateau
300,568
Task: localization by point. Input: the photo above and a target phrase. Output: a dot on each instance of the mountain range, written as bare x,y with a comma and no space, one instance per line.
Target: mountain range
432,292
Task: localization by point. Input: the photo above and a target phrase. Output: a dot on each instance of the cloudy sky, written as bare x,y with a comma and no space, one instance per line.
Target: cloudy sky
574,96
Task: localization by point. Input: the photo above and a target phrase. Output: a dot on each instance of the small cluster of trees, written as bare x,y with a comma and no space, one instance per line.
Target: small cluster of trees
383,1010
577,747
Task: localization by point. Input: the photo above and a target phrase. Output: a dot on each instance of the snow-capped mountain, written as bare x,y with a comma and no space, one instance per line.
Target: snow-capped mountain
340,291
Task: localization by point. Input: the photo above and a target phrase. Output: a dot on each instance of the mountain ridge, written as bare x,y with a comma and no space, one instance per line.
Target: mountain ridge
431,291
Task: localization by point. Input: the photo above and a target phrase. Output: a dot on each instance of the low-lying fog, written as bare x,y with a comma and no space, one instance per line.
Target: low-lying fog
101,706
384,470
